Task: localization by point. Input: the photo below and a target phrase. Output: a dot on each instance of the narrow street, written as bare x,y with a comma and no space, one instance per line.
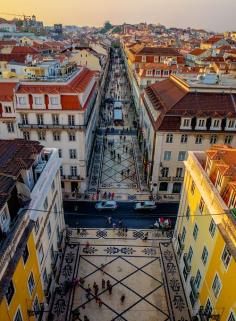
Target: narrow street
117,168
117,164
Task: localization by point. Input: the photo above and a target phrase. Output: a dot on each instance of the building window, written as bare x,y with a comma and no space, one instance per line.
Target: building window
198,139
186,122
26,135
169,138
184,139
36,306
213,139
22,101
195,232
10,127
71,137
212,228
143,58
18,316
41,135
49,230
40,119
165,172
36,226
52,254
183,235
188,213
72,153
179,172
45,204
216,123
204,255
156,58
7,109
226,256
201,205
231,317
193,187
71,120
190,254
38,100
176,188
54,100
167,155
56,136
181,156
216,285
55,210
60,153
198,279
31,283
45,277
201,122
231,123
24,119
73,170
41,254
208,309
163,187
10,292
25,254
228,139
55,119
61,170
53,186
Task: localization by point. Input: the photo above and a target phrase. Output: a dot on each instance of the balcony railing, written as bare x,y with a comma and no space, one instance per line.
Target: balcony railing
177,179
186,263
51,126
193,287
181,244
164,179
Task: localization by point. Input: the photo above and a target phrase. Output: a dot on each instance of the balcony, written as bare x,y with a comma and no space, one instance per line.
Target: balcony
75,178
51,126
177,179
164,179
186,263
193,288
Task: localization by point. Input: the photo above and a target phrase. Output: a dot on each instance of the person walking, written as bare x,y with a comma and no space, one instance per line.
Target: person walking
126,232
109,220
99,301
103,284
86,318
126,149
114,226
108,284
110,289
122,299
88,292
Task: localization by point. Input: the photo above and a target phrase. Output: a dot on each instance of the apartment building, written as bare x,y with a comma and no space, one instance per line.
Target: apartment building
31,227
146,65
204,237
59,113
178,115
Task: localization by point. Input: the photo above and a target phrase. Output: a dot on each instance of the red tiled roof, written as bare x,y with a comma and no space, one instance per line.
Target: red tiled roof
13,57
174,101
6,91
23,50
197,52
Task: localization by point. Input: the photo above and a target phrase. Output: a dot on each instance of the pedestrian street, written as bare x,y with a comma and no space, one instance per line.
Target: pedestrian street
120,276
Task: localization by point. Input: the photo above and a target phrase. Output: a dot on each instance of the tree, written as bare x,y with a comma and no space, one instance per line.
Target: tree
107,26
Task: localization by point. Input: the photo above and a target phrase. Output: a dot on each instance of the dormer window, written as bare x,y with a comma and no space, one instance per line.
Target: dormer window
232,201
149,72
22,101
166,72
143,58
54,100
230,125
216,124
157,72
201,123
219,181
38,100
186,123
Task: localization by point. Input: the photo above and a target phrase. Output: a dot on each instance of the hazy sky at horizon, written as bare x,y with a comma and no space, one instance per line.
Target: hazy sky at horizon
213,15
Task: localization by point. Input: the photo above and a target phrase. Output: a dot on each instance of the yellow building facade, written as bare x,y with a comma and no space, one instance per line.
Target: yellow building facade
205,234
21,289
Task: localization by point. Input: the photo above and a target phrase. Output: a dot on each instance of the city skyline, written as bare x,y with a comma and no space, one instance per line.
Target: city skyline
206,15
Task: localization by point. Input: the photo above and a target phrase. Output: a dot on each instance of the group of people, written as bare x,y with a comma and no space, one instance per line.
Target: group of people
93,293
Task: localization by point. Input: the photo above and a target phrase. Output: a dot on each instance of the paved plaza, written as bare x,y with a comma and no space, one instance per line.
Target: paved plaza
145,272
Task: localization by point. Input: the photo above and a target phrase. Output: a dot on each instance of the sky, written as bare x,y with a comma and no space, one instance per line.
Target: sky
214,15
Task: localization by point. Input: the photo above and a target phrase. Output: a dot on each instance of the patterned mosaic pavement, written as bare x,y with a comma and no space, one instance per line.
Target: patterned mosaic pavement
145,272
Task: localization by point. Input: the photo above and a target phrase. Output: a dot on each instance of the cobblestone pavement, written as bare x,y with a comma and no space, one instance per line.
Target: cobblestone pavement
145,272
